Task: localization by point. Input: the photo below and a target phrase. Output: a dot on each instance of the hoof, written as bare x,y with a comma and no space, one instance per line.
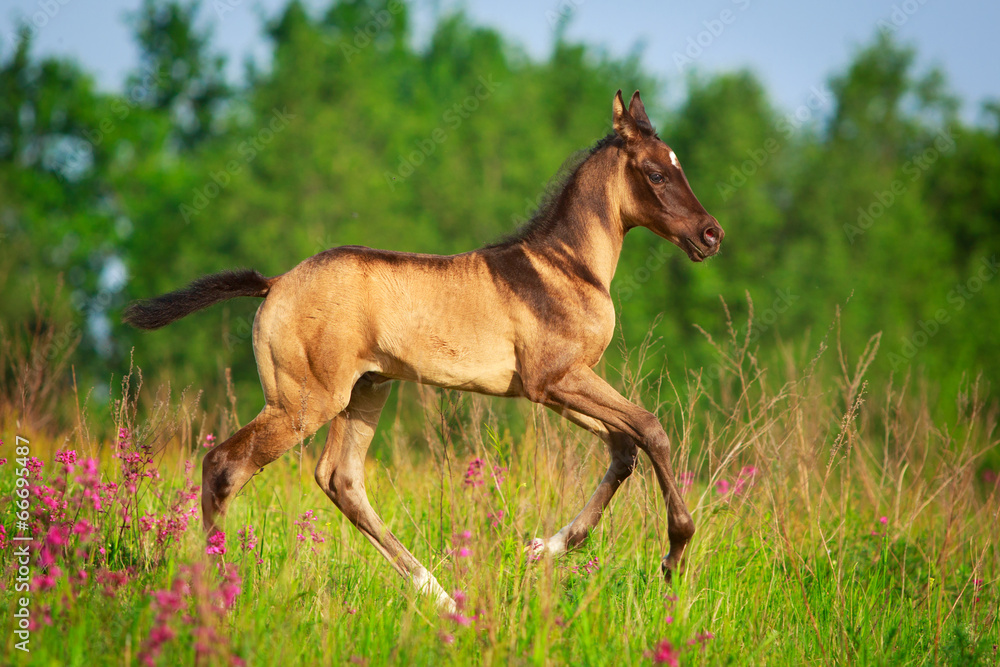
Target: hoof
668,571
535,549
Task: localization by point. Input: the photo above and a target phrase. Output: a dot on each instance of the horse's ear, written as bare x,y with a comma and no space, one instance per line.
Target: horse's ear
638,112
624,123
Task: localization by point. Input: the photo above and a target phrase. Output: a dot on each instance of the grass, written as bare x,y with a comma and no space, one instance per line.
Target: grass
863,532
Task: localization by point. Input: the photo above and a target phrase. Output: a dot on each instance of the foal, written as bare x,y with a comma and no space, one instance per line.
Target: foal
528,317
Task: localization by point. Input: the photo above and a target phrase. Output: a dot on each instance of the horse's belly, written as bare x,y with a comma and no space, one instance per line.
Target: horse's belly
497,379
472,363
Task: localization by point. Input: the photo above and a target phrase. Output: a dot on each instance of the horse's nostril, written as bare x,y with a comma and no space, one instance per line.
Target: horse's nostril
711,236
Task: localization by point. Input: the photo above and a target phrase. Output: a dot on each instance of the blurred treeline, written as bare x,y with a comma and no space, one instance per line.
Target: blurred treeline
351,135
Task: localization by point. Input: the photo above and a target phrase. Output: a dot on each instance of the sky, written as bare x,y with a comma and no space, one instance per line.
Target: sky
794,46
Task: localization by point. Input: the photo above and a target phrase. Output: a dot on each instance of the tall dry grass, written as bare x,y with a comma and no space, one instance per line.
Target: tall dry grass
839,522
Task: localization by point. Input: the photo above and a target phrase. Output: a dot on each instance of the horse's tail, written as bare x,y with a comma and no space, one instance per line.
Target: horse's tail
202,293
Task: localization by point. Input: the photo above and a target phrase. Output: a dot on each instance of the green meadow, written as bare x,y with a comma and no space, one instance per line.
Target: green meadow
835,526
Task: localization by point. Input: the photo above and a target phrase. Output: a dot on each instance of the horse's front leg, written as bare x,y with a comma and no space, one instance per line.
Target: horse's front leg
583,391
623,459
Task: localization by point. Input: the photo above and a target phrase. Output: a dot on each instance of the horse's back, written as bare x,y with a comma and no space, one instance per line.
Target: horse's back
426,318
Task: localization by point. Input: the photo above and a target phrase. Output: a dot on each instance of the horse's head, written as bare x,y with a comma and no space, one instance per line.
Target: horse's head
656,194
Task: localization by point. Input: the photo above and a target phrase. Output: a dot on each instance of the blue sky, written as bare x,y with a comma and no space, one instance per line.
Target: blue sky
792,45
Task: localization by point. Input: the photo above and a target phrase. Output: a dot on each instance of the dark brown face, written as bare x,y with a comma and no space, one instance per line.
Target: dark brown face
659,196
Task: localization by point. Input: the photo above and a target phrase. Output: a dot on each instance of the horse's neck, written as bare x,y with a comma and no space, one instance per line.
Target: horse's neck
588,233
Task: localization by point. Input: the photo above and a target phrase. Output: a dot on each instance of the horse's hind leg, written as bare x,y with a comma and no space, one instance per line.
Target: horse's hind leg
230,465
341,474
623,459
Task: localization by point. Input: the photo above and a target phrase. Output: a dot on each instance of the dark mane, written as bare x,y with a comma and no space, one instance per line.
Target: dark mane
557,186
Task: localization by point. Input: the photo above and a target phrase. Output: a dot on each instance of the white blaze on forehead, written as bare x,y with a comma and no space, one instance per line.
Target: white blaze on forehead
673,160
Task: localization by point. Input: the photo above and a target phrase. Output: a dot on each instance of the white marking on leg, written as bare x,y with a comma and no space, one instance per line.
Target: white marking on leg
426,584
554,546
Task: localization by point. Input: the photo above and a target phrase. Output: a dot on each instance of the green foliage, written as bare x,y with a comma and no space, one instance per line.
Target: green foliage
874,196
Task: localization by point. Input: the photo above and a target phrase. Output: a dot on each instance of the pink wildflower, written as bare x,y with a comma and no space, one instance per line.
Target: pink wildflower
587,568
67,458
248,541
664,653
701,638
745,479
457,616
158,636
461,619
169,602
306,523
88,473
884,520
230,588
44,582
216,543
84,529
499,474
209,441
57,536
722,487
495,518
474,473
35,466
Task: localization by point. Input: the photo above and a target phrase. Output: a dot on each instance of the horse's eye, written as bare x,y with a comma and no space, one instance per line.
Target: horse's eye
656,177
